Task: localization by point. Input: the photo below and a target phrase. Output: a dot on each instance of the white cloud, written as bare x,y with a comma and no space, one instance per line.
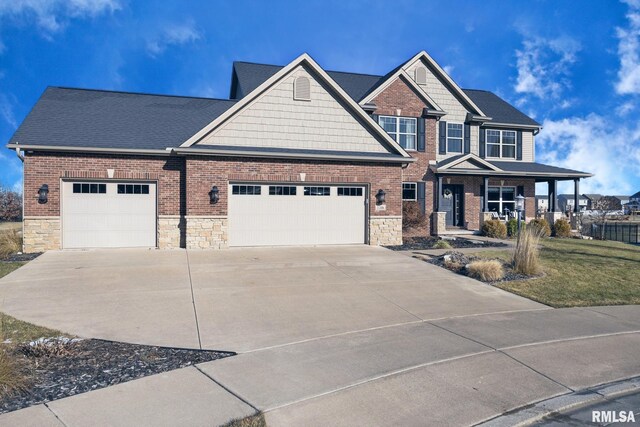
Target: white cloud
51,15
544,66
593,144
448,69
629,52
625,108
6,111
174,35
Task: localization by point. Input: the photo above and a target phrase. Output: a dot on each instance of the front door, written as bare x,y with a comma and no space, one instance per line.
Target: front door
452,203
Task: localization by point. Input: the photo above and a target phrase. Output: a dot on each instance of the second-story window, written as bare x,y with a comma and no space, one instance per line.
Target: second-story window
401,129
501,143
454,137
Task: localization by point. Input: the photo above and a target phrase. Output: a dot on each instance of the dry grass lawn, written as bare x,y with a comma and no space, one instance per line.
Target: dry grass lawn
580,273
10,226
256,420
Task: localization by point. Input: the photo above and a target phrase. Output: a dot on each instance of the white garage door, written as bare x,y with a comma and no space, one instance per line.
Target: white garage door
285,214
108,214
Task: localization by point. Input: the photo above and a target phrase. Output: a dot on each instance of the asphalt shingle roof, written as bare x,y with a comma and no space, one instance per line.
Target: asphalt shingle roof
532,167
250,76
103,119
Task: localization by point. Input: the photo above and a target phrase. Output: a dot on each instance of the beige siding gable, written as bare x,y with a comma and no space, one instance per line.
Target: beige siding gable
468,164
276,120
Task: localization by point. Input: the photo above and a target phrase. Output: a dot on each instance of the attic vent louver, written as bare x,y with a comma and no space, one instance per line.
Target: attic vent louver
302,89
421,75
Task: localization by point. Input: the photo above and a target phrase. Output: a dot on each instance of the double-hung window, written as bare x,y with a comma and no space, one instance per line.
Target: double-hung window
501,143
401,129
409,191
455,132
501,198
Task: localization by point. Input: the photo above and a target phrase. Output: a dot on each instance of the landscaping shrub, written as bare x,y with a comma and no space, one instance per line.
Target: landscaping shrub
562,228
412,216
541,226
526,254
10,243
442,244
512,227
487,270
494,228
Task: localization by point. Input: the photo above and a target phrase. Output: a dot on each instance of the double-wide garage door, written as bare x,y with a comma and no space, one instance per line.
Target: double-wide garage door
108,214
286,214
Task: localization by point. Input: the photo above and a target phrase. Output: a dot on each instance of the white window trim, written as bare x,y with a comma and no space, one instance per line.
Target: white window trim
501,143
461,138
500,201
415,188
398,133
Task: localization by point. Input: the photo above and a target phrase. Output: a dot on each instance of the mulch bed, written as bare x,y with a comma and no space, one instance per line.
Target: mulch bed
423,243
456,262
68,367
20,257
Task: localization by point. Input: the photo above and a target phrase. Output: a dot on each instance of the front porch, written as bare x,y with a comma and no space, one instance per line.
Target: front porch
470,190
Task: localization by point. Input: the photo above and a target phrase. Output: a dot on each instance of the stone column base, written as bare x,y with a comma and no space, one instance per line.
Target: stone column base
206,232
552,217
41,233
170,230
438,223
385,230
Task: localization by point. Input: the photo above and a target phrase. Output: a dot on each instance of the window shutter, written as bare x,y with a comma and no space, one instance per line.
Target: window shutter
482,198
421,134
443,138
520,190
482,143
421,197
519,145
467,138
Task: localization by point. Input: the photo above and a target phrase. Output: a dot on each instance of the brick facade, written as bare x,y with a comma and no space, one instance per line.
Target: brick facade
400,96
204,172
49,168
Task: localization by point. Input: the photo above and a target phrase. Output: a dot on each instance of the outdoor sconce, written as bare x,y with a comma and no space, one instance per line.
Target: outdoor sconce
380,197
42,193
213,195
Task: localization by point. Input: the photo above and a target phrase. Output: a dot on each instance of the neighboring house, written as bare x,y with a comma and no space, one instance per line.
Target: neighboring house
635,197
297,156
592,199
623,200
542,204
566,203
633,207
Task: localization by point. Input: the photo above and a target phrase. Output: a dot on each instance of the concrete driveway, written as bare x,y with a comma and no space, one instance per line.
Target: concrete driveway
328,336
241,299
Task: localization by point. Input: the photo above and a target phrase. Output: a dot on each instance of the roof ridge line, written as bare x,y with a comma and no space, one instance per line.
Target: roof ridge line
328,71
140,93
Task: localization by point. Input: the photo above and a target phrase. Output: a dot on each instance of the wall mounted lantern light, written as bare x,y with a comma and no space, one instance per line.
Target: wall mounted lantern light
213,195
380,197
42,193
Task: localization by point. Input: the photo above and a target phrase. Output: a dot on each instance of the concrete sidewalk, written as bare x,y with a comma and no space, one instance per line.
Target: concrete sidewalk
454,371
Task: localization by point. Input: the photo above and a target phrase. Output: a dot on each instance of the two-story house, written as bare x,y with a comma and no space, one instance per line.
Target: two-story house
296,156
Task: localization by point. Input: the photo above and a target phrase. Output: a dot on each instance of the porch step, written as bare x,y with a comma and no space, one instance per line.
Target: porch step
457,231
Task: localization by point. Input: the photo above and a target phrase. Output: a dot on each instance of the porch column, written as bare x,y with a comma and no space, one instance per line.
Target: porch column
485,198
439,194
553,195
576,195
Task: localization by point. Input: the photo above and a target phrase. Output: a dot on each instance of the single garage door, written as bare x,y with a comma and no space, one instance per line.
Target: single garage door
285,214
108,214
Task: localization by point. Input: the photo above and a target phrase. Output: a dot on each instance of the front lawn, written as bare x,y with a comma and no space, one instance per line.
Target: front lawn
581,273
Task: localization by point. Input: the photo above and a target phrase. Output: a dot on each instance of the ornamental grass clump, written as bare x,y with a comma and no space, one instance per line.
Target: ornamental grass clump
442,244
526,254
542,227
487,270
10,243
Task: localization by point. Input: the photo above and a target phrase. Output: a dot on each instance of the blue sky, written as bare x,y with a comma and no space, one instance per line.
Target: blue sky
573,66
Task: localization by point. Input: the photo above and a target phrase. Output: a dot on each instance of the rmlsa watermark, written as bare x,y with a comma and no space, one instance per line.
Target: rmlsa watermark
613,417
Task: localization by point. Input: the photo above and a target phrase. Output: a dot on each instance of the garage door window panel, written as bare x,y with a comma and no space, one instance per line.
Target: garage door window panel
282,190
350,191
246,190
89,188
133,189
317,191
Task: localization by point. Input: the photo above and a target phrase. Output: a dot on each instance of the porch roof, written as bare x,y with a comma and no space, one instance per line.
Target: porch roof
470,164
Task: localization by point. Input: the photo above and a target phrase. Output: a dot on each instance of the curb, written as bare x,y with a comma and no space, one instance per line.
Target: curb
530,414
